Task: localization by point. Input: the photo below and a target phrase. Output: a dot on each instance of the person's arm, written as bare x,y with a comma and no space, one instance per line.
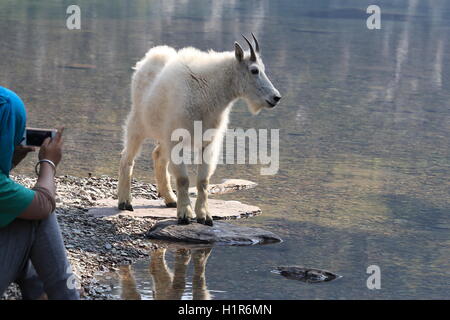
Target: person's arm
43,203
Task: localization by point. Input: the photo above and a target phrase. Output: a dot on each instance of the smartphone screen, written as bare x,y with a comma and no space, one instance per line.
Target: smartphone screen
35,137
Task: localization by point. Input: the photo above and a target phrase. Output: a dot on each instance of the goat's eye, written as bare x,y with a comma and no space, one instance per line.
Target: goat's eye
254,71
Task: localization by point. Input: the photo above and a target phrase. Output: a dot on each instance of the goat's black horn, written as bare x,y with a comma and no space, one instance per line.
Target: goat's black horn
252,51
256,43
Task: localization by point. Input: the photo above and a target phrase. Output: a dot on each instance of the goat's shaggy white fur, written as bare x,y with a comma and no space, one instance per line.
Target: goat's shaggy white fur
171,90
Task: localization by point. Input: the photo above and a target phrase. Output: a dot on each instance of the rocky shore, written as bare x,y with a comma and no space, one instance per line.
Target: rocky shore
96,244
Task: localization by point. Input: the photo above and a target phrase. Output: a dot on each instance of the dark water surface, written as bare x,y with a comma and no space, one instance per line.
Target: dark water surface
364,132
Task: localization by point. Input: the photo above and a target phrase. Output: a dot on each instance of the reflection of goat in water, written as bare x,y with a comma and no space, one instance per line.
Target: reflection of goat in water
171,286
128,284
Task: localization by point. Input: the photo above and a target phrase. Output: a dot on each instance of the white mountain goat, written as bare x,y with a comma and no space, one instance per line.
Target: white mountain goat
171,90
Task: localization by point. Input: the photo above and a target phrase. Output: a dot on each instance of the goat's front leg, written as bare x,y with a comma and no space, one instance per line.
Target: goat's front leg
184,209
201,205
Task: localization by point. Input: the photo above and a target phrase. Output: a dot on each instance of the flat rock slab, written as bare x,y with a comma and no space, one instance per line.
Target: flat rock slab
156,209
226,186
221,233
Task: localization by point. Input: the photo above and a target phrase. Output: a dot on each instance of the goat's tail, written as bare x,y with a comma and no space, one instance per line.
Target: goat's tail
148,68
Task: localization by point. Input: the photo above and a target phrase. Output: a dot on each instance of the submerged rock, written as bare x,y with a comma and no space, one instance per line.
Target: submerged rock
222,233
80,66
306,274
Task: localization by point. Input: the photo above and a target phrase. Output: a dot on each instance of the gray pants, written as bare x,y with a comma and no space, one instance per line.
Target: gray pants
32,254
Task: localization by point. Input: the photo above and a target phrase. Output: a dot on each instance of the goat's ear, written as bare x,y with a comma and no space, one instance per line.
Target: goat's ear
238,52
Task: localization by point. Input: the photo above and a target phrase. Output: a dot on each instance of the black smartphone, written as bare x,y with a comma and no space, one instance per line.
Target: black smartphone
35,136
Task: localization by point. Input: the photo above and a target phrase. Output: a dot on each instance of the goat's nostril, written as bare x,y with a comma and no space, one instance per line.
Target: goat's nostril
276,98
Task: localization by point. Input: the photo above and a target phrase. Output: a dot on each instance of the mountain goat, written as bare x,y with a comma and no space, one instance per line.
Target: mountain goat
172,89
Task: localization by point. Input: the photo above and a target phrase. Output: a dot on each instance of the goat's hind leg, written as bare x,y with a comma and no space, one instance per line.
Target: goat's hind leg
133,144
161,163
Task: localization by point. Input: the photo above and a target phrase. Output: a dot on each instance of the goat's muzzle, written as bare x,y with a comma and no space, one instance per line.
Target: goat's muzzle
274,101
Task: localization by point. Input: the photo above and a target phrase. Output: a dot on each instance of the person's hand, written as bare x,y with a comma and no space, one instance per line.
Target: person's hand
20,152
51,149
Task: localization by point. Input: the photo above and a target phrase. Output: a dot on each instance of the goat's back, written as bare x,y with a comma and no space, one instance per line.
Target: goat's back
147,69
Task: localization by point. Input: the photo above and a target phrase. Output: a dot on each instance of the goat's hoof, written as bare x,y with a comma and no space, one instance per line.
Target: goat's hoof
125,206
209,222
183,220
171,205
201,220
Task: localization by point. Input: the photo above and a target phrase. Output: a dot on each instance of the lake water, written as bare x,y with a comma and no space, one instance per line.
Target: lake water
364,133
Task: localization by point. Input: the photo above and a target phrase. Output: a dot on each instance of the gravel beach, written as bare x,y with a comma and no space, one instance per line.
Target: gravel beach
96,245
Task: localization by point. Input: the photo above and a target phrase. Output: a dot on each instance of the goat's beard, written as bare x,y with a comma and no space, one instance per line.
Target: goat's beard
253,107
